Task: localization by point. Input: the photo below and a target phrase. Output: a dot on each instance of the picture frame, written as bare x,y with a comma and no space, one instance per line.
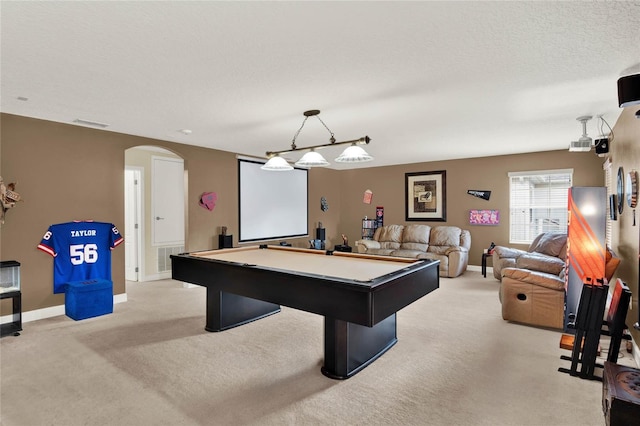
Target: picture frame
484,217
426,196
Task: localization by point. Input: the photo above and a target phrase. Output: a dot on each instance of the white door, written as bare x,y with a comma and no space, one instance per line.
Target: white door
167,201
132,222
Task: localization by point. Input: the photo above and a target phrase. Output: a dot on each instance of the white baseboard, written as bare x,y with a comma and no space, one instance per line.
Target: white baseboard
477,268
52,311
156,277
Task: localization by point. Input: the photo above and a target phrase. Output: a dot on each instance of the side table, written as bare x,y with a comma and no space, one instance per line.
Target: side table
484,263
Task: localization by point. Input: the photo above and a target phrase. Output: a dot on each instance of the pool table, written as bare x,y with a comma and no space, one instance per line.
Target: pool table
357,294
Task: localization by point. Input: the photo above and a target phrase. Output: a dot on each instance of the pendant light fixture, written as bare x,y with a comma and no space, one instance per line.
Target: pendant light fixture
352,154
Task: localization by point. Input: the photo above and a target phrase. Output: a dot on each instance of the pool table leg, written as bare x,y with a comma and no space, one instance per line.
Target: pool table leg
228,310
349,347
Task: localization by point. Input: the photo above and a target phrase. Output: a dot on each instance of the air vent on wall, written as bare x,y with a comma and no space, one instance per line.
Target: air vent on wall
90,123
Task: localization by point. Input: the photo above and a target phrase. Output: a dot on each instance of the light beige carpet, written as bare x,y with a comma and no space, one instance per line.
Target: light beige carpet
152,363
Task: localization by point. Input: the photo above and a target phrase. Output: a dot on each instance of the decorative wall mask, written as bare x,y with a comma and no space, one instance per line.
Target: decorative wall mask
8,198
324,206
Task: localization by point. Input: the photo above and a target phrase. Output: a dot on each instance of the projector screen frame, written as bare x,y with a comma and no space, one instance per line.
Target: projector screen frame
289,181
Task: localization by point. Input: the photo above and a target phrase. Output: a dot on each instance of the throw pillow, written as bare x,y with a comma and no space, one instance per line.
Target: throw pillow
551,244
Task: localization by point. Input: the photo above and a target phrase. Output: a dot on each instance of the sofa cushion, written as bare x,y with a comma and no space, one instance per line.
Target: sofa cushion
445,236
540,262
381,251
415,237
389,245
416,234
389,233
541,279
551,244
407,253
500,252
438,250
414,247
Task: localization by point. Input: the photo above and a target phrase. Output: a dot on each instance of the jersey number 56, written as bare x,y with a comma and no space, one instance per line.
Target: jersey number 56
83,253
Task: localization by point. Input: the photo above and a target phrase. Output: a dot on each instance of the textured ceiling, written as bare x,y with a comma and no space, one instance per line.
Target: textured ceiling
425,80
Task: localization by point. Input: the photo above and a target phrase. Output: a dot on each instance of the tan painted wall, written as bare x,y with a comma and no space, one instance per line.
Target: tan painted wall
625,153
67,172
488,173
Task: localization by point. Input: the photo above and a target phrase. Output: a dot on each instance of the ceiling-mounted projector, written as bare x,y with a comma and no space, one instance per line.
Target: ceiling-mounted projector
584,143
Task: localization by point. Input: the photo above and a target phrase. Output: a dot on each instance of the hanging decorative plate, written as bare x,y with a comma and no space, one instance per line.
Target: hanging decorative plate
620,198
632,189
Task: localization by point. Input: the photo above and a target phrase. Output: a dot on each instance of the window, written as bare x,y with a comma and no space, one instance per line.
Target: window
538,203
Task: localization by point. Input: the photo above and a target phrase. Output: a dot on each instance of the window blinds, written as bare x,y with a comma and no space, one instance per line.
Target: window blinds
538,203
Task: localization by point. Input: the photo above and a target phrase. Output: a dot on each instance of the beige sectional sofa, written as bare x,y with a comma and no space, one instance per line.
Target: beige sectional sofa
448,244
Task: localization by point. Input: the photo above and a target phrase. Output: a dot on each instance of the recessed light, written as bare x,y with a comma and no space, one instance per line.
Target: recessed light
186,132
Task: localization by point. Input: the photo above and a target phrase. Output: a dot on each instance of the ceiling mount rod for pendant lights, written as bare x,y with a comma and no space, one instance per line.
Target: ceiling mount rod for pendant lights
362,141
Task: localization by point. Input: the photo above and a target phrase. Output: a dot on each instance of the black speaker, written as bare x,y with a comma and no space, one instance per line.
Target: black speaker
320,234
602,146
225,241
629,90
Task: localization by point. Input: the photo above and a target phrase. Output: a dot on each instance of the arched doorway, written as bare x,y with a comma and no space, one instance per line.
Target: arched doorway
154,212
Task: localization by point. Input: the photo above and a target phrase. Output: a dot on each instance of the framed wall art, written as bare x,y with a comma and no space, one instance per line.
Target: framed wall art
484,217
426,196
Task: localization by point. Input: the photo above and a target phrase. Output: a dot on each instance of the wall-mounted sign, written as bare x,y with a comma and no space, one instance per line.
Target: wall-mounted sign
484,217
480,194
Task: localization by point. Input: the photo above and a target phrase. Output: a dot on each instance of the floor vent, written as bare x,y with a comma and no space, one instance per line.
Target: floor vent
164,261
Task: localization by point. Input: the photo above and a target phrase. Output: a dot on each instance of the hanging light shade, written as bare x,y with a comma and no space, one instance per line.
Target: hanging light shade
354,154
277,164
312,159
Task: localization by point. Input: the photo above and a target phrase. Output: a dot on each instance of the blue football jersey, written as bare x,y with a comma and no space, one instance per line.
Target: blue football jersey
81,251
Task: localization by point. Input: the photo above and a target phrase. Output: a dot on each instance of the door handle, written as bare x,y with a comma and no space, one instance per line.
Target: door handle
159,218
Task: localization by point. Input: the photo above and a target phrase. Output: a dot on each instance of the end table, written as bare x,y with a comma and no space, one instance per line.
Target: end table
484,263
